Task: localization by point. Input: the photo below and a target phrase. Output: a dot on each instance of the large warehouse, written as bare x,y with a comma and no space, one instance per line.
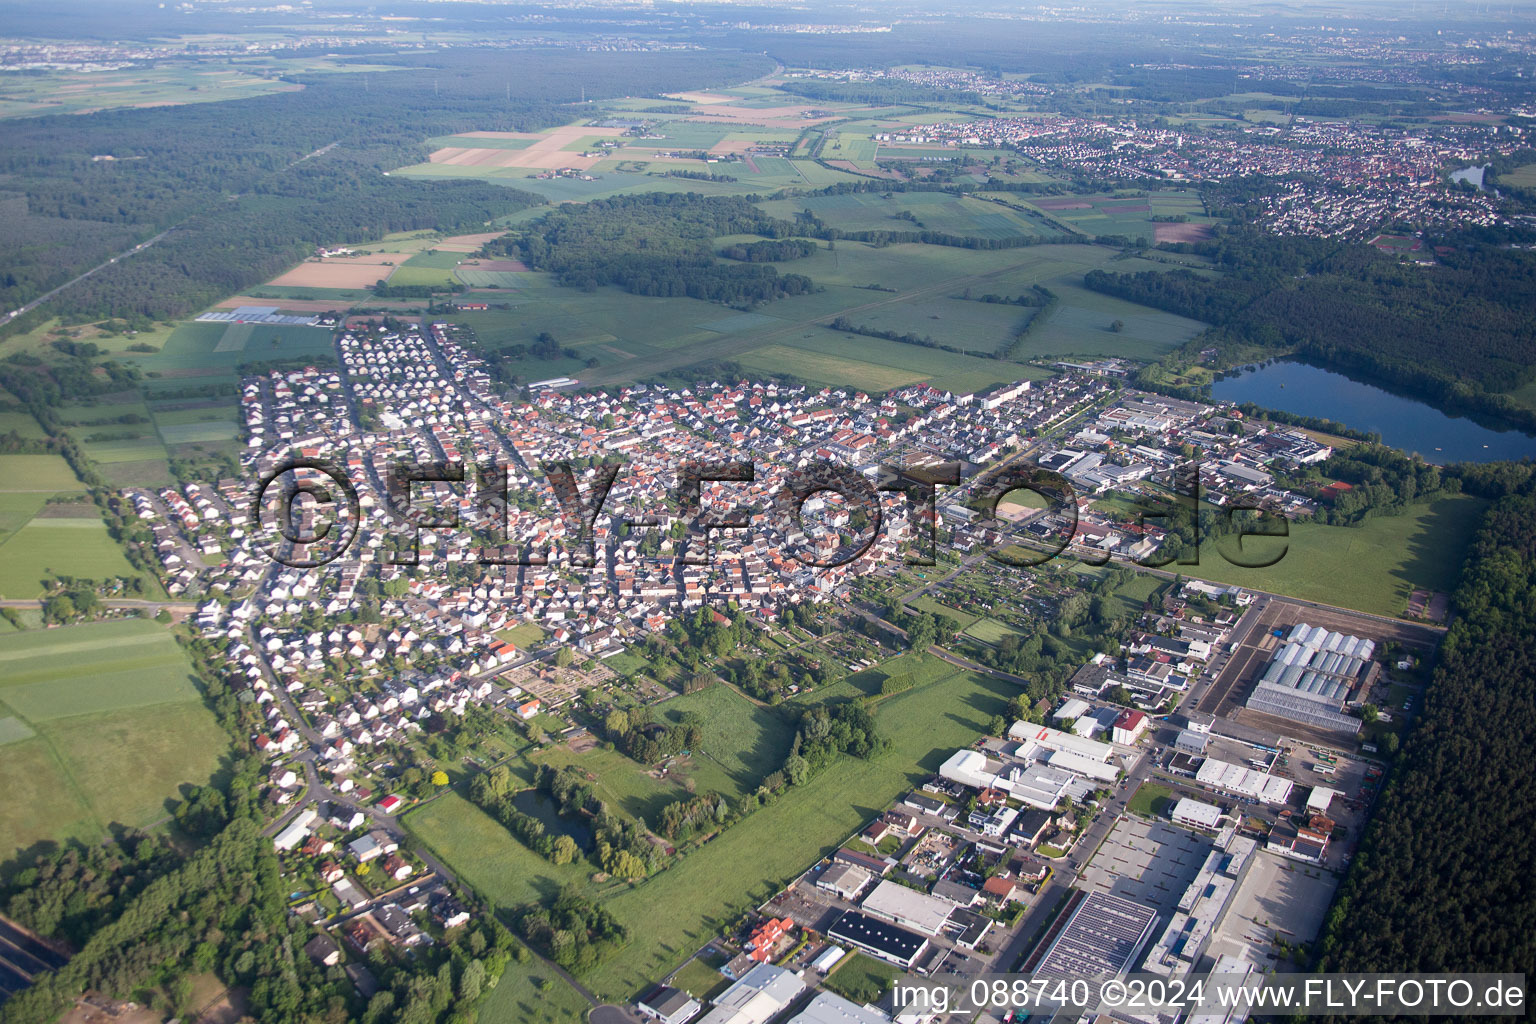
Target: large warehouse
1103,937
1312,675
886,941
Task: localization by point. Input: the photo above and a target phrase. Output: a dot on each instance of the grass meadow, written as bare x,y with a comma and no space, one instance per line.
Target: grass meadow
116,729
1372,568
710,884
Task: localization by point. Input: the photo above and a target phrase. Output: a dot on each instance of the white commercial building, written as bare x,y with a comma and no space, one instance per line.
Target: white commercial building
1196,813
1319,799
1245,782
1030,737
1037,785
827,1008
909,908
1202,908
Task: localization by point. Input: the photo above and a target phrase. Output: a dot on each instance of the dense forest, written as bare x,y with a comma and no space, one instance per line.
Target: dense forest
655,244
245,183
1442,878
1458,333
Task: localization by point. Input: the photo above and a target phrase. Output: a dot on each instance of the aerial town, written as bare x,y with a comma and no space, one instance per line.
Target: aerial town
1239,711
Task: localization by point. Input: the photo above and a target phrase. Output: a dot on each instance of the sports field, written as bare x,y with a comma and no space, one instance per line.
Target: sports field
1372,568
118,728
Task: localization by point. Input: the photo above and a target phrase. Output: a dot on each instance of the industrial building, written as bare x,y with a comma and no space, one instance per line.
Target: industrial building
1102,938
828,1008
845,880
909,908
1206,899
669,1005
756,997
877,938
1031,738
1311,676
1245,782
1037,785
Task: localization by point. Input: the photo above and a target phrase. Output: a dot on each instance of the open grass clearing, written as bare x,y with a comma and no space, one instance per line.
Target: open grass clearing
1371,568
1152,801
742,742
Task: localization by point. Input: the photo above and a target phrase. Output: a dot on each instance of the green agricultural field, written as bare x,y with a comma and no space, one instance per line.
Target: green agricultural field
21,423
991,631
533,993
47,547
118,729
928,604
1372,568
74,92
928,211
1521,177
38,474
476,846
206,346
757,855
404,276
734,871
823,368
916,288
139,473
435,259
621,783
17,507
489,278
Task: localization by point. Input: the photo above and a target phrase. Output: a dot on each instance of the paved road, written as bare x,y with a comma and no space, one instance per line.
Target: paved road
29,307
186,607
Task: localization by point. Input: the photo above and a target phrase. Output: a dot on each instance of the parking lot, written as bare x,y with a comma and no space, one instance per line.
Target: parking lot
1149,862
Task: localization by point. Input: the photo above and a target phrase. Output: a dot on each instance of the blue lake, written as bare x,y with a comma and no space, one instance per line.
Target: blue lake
1402,422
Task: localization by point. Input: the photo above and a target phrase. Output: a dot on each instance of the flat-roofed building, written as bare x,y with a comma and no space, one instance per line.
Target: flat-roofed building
1202,907
829,1008
878,938
1196,814
909,908
1101,939
1245,782
756,997
846,880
